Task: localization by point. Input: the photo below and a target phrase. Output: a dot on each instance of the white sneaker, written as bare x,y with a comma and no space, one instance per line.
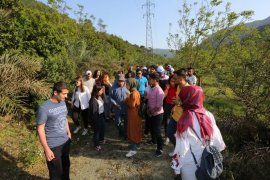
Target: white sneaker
167,141
171,154
77,130
131,153
84,132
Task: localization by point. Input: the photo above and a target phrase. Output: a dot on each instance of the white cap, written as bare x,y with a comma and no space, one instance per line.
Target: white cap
160,69
88,72
171,69
144,68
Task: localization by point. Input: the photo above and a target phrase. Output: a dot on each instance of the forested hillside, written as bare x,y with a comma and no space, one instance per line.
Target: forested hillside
55,47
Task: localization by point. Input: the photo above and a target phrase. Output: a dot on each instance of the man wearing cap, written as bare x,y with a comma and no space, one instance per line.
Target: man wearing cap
88,81
145,72
118,96
163,80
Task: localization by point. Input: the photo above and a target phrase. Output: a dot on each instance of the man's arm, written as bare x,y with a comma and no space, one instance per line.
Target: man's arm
146,82
42,137
112,98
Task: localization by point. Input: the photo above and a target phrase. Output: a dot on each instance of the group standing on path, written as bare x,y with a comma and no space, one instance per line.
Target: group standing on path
157,95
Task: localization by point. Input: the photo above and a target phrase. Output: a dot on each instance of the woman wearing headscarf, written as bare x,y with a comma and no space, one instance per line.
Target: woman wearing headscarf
194,118
134,130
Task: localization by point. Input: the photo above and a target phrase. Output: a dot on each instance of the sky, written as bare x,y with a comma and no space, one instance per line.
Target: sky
124,18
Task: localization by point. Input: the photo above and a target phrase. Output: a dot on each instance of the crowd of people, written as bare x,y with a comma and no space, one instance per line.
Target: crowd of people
156,95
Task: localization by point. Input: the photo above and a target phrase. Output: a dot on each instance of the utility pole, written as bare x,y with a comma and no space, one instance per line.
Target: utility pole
148,31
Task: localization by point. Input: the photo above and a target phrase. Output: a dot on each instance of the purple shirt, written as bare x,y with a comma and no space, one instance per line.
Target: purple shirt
155,96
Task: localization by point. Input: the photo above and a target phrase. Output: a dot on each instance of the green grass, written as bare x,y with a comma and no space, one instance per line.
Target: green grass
219,99
19,146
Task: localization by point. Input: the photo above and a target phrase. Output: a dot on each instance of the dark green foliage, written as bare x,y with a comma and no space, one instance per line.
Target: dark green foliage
9,32
233,61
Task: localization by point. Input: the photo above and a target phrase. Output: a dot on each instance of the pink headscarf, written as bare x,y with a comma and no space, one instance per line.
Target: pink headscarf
192,101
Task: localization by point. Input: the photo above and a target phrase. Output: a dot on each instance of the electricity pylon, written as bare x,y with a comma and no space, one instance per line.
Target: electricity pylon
148,29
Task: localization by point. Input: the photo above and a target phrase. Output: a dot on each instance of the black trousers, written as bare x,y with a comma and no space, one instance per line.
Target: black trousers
147,124
59,167
76,115
99,129
156,122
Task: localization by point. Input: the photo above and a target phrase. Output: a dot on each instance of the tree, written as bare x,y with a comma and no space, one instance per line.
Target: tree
9,12
18,83
101,25
245,69
203,33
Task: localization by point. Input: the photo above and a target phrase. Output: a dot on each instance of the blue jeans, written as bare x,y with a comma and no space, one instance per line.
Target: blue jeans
171,130
121,123
134,147
167,115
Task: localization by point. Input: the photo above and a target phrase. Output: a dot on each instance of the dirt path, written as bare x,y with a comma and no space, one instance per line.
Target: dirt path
17,140
111,163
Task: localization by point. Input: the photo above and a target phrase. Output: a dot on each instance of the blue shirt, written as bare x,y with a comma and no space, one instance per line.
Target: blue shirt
54,116
118,96
142,83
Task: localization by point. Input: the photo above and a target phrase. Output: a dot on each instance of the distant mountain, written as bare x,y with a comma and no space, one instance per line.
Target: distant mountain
259,23
167,53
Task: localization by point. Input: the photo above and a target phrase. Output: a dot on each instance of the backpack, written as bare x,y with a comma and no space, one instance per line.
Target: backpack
211,165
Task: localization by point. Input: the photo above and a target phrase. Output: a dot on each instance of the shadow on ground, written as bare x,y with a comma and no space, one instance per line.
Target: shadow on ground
10,170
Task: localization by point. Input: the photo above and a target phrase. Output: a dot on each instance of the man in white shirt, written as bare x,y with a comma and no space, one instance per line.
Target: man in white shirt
88,81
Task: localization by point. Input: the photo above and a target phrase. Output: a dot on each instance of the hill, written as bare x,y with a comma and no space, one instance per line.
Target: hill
259,23
167,53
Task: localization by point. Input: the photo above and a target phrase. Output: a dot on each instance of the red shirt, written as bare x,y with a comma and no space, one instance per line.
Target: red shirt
171,94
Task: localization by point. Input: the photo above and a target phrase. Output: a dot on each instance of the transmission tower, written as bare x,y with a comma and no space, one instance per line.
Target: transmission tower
148,31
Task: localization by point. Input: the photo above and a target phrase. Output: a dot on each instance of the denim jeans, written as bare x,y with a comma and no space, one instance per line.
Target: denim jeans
121,123
156,122
171,130
59,166
134,146
167,115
